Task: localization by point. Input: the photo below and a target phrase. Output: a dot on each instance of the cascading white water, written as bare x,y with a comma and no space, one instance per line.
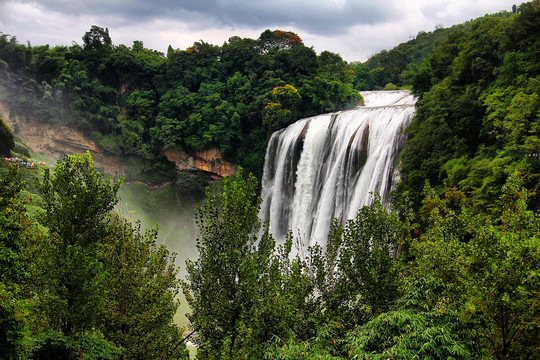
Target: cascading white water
330,165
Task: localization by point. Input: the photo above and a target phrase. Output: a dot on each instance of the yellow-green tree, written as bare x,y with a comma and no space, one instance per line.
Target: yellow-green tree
283,109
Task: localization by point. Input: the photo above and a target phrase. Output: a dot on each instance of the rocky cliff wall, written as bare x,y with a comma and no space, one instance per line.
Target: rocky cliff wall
55,140
209,161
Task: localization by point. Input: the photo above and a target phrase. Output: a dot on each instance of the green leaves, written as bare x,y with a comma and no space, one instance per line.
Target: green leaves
243,289
136,102
55,345
405,334
489,267
141,298
216,282
6,139
77,200
356,276
98,287
466,288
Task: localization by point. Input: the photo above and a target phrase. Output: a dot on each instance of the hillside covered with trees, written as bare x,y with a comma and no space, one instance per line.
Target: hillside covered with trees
397,66
451,273
135,101
477,117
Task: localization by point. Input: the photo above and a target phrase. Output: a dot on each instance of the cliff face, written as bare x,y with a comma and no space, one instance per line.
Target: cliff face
209,160
55,140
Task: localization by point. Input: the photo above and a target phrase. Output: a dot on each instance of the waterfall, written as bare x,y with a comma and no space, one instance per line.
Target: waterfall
329,166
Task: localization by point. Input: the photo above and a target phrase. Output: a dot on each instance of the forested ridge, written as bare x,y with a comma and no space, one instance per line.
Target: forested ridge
136,101
451,273
397,66
477,117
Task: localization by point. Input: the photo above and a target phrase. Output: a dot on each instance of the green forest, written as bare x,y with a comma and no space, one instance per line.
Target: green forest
452,272
136,102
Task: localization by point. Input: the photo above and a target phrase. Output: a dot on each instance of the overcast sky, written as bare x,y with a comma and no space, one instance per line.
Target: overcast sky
356,29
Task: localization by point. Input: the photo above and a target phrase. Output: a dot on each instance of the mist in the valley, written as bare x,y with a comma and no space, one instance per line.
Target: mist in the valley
175,216
173,213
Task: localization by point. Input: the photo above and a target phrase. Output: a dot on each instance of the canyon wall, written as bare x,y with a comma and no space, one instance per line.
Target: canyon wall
55,140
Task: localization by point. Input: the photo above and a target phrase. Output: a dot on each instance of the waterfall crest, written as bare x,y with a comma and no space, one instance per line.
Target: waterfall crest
328,166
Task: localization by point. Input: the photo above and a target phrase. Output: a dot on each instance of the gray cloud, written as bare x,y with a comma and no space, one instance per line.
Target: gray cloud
354,28
318,17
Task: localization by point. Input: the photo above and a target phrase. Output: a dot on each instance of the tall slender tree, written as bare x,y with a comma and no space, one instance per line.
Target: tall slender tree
77,201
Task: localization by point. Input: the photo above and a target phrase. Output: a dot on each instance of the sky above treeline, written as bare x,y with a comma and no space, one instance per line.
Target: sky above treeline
356,29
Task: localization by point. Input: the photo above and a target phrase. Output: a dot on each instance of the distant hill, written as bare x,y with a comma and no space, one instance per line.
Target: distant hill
395,65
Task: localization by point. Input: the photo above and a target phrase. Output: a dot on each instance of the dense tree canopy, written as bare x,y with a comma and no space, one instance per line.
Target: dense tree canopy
83,283
13,274
136,102
466,288
399,64
478,114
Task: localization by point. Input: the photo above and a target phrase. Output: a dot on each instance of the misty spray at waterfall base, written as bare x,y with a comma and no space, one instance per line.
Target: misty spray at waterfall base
328,166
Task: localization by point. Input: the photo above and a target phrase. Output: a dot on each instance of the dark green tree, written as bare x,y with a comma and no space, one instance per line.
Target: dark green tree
77,201
6,139
228,226
13,276
394,63
501,282
96,38
141,302
488,266
357,275
363,78
421,325
243,291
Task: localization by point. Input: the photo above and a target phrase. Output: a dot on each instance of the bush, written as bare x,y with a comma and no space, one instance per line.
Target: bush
55,345
6,139
21,150
391,86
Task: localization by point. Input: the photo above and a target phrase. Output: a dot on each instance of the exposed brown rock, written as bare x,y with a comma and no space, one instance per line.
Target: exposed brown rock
55,140
302,135
365,139
206,160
